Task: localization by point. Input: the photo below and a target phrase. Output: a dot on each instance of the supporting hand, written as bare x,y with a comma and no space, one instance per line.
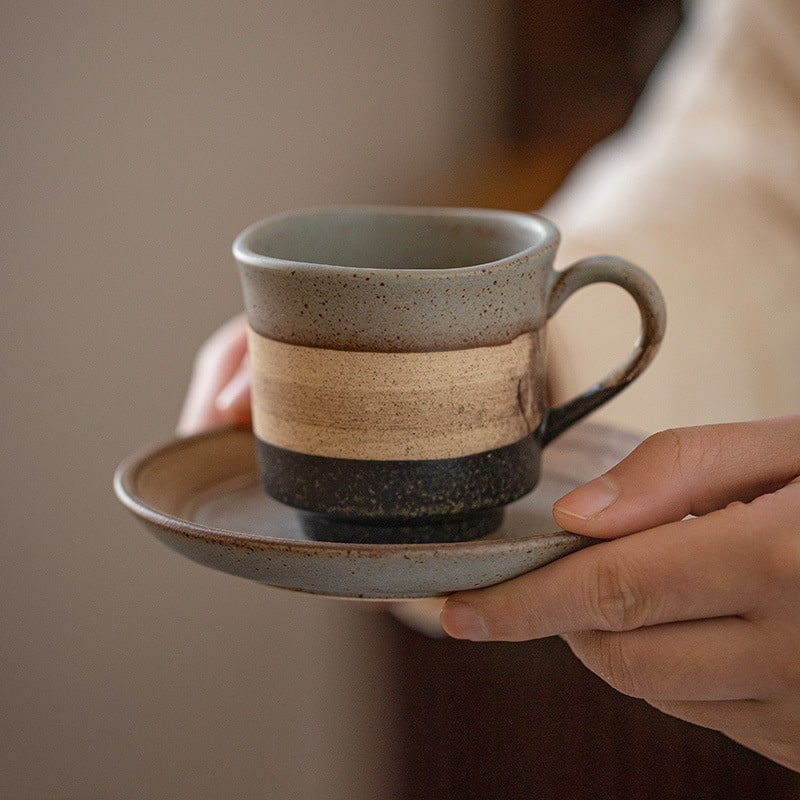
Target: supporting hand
700,616
219,391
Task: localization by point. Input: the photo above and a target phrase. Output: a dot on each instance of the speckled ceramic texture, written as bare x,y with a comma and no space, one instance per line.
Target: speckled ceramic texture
396,279
463,496
201,497
399,281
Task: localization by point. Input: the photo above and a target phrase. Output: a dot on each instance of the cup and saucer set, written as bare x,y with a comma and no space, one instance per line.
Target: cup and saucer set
402,445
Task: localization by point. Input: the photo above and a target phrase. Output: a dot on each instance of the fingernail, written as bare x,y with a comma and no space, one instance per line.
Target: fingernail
590,499
235,396
461,621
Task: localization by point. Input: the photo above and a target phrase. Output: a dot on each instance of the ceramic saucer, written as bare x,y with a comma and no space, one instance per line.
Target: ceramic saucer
201,496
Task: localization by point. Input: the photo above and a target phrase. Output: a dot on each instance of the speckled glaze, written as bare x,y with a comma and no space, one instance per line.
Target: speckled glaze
396,279
386,282
201,496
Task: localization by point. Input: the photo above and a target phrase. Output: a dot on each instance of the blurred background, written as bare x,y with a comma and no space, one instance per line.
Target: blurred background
137,140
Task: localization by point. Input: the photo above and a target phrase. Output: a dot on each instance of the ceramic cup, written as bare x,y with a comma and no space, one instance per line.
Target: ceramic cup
398,363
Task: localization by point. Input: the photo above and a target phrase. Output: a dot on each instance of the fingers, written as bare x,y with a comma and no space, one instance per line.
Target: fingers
681,472
663,575
734,562
699,616
702,660
219,390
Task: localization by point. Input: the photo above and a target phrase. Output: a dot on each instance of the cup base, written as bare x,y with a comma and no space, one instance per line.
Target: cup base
324,528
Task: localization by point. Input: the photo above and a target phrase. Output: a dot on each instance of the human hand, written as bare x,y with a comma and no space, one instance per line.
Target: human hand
219,389
700,616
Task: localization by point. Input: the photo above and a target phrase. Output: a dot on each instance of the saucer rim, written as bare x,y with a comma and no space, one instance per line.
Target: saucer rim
354,571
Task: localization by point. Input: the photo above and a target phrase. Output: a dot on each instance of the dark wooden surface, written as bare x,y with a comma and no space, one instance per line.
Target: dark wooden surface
527,720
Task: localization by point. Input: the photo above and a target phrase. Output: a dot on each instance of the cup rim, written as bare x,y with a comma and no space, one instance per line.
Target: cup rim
244,253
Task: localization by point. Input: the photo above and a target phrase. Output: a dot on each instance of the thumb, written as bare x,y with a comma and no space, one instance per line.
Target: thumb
686,471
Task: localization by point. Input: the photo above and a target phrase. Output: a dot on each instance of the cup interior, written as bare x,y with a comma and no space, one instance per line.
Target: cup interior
395,239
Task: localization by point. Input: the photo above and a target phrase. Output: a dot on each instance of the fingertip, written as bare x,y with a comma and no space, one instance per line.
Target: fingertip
587,501
460,620
194,420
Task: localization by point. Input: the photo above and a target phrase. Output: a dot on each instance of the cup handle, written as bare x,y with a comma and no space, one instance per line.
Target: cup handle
648,297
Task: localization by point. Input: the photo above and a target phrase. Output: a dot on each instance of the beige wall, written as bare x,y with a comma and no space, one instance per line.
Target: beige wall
137,139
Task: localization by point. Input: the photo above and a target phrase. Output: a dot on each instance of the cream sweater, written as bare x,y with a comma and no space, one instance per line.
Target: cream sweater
702,189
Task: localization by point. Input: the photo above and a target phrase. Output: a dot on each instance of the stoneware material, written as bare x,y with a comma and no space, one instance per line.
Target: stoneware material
202,497
398,363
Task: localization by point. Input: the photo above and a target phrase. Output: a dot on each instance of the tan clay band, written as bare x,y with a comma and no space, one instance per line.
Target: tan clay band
394,406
